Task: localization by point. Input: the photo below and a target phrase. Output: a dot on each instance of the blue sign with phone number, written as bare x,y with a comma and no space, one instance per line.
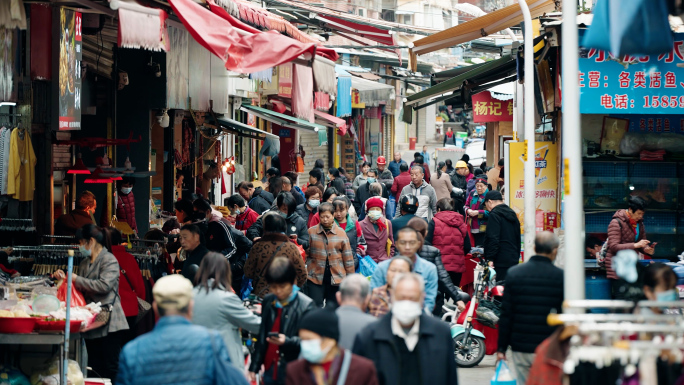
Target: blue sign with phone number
632,84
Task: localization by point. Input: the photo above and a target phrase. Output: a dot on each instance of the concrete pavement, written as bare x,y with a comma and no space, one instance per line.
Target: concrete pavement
479,375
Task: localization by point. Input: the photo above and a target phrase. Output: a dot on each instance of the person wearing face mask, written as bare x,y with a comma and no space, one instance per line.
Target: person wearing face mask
476,212
125,203
274,243
409,242
362,177
309,209
660,284
68,224
377,231
407,345
365,192
381,297
323,360
351,227
329,258
335,180
281,314
296,225
98,281
533,290
244,216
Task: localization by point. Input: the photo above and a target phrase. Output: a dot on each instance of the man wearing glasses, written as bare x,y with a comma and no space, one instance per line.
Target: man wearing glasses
408,243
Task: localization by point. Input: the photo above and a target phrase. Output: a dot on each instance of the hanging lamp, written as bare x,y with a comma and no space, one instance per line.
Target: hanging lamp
78,167
97,177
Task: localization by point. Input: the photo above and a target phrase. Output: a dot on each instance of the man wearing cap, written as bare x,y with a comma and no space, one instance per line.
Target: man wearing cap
384,175
419,188
502,239
176,351
323,360
408,207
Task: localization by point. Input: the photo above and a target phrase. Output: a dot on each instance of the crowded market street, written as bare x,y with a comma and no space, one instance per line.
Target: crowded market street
376,192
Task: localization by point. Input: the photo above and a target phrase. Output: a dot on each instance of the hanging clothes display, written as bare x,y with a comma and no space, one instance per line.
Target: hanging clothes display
22,162
5,134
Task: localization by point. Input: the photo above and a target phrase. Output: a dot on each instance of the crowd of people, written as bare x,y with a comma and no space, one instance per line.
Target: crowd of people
298,249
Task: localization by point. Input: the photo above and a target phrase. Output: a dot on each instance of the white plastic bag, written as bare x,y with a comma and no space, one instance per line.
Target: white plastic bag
503,375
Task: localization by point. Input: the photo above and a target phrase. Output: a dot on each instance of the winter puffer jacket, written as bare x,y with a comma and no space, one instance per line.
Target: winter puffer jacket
448,232
307,215
125,209
432,254
261,200
621,236
533,290
502,239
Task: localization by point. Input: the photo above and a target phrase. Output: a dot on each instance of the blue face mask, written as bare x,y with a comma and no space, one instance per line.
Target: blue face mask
84,252
313,203
371,180
126,190
312,352
668,296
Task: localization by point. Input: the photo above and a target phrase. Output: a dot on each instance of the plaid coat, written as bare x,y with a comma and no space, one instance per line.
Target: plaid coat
333,246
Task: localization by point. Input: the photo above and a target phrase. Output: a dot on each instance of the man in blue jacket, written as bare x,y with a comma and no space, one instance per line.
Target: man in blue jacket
176,351
394,165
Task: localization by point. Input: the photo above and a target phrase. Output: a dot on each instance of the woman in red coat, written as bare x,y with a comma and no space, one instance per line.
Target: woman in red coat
377,230
125,203
131,285
448,232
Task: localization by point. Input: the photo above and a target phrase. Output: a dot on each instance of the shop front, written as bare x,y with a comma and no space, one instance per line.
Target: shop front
632,126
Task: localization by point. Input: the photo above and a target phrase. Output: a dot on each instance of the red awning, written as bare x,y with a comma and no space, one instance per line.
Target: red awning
381,36
338,122
244,54
270,21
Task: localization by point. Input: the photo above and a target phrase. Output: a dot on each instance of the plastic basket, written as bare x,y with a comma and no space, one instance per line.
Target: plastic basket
17,325
43,325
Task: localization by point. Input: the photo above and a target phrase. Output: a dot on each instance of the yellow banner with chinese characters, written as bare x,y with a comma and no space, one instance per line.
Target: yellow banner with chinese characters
546,183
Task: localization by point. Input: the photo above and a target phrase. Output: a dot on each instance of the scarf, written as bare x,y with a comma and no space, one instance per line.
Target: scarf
280,305
449,134
350,223
474,203
634,224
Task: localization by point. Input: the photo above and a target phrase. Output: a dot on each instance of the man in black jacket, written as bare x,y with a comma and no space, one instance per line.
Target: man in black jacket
281,313
190,240
67,224
533,290
257,199
407,345
408,207
286,206
502,239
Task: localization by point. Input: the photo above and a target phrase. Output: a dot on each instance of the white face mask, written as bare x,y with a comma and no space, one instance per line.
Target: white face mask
406,312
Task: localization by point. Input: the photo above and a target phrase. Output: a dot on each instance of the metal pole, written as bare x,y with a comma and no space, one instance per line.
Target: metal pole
65,369
529,133
572,157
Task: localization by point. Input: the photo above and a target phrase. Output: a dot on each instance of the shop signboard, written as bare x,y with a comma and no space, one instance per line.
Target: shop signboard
546,183
652,84
285,80
673,124
487,108
68,56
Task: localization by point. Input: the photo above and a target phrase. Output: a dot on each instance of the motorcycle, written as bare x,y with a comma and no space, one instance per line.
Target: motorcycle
484,307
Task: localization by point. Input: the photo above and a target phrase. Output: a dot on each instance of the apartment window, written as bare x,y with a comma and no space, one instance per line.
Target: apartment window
362,12
388,15
408,20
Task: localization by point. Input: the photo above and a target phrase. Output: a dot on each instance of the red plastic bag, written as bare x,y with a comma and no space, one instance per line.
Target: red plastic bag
76,296
301,249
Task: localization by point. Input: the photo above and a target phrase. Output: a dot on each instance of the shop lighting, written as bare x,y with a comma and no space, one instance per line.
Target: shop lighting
97,177
78,167
631,187
11,104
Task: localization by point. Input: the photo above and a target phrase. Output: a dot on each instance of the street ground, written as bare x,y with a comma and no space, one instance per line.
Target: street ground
479,375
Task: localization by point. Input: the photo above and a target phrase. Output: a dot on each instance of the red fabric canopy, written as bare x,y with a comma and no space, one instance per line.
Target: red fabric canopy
381,36
244,54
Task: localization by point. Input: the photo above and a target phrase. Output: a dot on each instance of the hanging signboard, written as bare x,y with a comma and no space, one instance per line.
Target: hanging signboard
68,68
546,183
487,108
632,84
654,123
285,80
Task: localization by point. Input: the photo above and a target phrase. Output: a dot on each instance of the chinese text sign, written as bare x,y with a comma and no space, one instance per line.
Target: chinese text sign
486,108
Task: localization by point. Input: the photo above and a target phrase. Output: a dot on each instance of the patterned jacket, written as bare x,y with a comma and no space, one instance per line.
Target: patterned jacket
380,302
261,254
331,247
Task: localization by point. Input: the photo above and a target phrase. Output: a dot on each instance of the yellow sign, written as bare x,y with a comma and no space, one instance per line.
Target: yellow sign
546,182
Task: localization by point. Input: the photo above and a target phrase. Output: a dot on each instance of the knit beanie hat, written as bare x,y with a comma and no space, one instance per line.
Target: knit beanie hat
322,322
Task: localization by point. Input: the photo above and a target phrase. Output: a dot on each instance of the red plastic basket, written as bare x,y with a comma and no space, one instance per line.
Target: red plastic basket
44,325
17,325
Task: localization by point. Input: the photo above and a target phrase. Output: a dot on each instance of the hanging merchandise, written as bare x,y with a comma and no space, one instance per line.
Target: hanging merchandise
6,63
22,162
637,27
5,134
142,27
271,147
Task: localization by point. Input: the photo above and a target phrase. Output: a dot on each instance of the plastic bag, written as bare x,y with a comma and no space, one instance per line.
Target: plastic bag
44,304
11,376
76,296
367,266
391,207
49,375
301,250
503,375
